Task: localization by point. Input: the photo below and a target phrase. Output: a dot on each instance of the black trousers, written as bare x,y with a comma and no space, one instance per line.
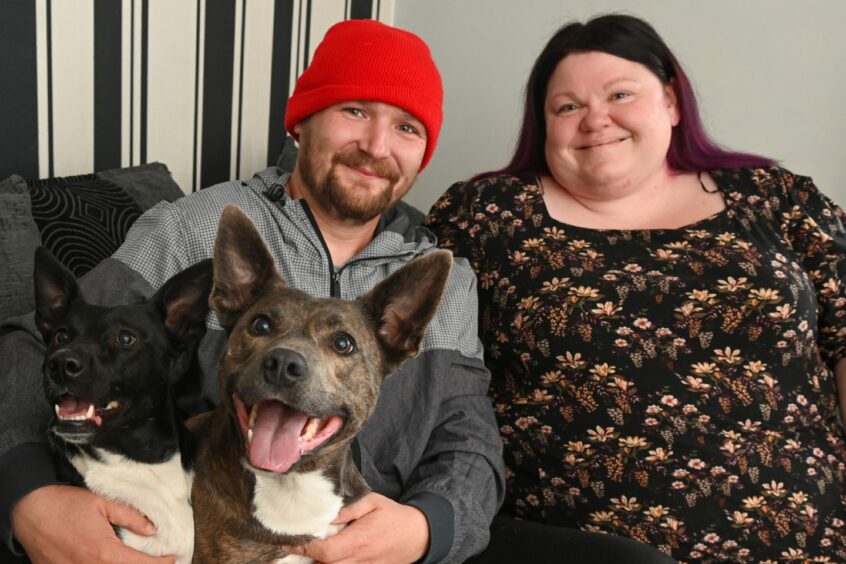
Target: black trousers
514,541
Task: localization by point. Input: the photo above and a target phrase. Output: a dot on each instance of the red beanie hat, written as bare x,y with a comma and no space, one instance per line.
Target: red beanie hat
368,60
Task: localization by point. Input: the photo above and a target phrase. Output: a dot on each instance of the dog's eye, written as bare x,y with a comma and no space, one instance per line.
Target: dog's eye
61,336
260,325
125,338
343,343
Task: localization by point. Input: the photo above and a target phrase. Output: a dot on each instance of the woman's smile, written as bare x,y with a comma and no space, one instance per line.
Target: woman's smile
602,143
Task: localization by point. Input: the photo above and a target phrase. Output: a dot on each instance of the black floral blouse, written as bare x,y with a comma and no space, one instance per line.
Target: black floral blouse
671,385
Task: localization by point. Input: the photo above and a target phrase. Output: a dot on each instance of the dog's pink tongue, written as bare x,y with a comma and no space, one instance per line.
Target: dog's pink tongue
276,437
70,406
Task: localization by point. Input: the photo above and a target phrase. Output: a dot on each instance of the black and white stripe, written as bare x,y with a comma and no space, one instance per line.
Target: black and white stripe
199,85
107,84
19,118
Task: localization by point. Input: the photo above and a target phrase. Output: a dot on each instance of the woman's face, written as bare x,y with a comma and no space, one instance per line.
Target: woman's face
608,123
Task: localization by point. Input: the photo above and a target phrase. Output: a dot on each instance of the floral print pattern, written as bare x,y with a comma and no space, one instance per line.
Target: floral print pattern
674,386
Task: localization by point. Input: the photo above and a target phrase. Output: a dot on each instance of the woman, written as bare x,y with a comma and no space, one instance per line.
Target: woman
663,318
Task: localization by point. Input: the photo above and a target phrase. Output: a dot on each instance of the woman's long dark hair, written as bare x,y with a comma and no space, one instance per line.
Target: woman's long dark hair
635,40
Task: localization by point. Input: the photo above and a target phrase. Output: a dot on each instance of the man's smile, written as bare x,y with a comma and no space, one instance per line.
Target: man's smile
364,171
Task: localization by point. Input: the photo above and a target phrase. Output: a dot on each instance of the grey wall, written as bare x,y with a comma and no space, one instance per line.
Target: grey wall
770,75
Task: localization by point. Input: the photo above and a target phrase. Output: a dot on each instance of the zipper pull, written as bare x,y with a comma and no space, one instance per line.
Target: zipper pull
336,284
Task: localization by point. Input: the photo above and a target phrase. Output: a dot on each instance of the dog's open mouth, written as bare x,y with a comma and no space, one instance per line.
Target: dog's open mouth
278,435
75,410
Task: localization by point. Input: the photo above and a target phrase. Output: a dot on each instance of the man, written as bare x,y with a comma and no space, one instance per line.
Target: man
367,113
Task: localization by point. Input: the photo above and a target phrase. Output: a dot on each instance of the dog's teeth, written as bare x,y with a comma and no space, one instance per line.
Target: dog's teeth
57,410
250,436
90,413
254,415
311,428
112,405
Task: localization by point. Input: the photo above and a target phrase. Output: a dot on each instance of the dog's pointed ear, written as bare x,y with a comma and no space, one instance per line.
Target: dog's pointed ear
55,289
242,266
405,302
183,301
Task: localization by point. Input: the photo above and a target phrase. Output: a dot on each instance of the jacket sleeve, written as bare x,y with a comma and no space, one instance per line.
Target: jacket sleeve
25,461
461,473
433,441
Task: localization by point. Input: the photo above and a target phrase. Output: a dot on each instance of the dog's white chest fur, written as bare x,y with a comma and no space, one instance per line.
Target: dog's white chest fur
160,491
297,504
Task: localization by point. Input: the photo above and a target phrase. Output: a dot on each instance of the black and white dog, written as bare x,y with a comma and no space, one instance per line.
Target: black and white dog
108,372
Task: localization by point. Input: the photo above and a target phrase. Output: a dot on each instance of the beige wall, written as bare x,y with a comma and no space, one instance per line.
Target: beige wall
770,75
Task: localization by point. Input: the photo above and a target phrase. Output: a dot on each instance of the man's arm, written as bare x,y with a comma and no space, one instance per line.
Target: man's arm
457,478
41,525
462,465
432,444
461,470
25,460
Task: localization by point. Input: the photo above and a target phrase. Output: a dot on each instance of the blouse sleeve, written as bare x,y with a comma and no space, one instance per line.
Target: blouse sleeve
455,223
815,228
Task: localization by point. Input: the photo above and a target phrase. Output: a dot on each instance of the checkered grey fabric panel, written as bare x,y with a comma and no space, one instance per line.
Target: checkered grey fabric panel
171,237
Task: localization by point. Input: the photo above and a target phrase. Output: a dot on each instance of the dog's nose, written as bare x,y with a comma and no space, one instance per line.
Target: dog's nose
65,364
284,367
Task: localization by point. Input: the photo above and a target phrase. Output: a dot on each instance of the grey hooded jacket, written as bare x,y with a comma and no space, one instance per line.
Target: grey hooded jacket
432,442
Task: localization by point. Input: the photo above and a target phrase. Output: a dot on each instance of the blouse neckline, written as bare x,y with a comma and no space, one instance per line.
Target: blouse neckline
727,212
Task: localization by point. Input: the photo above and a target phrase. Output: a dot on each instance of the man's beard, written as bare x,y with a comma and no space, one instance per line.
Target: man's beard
346,201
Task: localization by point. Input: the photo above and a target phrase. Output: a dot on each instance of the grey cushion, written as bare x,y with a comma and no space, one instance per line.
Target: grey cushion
148,184
19,237
415,216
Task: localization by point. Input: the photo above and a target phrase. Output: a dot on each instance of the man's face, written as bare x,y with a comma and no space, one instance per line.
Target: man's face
357,159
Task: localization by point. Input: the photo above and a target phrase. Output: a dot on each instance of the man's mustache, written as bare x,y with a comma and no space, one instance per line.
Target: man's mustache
358,159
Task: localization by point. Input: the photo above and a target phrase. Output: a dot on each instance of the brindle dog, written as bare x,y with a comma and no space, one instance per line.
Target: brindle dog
298,378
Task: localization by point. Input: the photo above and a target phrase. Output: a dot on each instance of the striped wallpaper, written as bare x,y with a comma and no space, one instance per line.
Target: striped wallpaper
200,85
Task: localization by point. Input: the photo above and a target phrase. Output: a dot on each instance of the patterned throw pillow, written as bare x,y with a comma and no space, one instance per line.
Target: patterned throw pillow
82,219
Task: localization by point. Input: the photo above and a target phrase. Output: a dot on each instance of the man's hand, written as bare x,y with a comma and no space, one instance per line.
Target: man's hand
58,524
378,530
